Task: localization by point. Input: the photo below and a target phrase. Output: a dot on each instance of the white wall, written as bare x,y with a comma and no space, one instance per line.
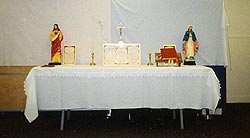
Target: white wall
238,73
153,24
25,26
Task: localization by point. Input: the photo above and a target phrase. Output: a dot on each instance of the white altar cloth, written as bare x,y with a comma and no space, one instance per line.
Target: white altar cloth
98,87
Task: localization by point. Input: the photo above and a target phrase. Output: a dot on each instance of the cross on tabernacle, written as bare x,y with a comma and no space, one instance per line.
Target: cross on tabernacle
120,30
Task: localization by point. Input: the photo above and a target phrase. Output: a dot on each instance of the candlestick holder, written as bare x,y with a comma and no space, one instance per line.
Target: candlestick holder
92,59
150,59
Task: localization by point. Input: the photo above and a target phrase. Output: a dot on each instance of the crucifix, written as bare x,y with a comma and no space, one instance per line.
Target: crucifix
120,30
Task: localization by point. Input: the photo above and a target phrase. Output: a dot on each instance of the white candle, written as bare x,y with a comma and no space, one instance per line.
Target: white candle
150,52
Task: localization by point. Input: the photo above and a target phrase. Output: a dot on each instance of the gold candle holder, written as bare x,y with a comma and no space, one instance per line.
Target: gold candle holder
92,58
150,59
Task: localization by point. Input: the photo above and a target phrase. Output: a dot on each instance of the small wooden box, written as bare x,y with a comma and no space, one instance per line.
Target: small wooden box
168,56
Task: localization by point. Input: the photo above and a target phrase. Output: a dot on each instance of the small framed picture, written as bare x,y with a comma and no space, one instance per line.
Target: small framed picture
69,54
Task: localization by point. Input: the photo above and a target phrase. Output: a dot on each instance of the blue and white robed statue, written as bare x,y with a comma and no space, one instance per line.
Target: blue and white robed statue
190,46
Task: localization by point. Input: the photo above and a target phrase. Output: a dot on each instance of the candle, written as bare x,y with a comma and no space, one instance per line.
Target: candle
150,52
92,49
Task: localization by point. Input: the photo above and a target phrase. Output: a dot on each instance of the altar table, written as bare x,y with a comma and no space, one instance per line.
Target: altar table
105,88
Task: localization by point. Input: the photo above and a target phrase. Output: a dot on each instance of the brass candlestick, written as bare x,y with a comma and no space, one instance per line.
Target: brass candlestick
92,58
150,59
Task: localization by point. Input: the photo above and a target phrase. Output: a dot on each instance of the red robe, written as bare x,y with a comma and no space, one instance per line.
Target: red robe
56,45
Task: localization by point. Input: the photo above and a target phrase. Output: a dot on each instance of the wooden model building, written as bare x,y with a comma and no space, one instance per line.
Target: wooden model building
168,57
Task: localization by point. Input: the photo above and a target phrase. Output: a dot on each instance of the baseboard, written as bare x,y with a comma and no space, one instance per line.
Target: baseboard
218,111
238,99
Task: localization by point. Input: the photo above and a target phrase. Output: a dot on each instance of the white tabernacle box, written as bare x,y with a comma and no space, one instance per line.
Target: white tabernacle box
116,54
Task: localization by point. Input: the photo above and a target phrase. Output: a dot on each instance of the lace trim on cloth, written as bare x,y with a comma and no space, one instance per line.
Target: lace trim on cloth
109,72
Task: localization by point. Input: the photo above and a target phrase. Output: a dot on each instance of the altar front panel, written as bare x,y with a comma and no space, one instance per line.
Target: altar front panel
84,87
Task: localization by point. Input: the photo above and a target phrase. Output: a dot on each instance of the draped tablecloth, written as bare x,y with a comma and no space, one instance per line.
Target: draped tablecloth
98,87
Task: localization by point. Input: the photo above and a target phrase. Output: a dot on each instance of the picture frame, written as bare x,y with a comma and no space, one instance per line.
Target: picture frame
69,54
115,54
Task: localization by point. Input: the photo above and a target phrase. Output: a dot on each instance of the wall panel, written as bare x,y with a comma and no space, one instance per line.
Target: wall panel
12,95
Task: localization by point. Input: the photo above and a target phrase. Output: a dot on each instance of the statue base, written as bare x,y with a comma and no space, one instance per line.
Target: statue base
189,63
55,63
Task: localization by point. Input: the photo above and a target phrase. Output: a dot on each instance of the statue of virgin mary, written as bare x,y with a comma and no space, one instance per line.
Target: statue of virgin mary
190,46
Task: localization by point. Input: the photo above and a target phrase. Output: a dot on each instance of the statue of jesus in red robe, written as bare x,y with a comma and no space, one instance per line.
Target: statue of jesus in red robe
56,38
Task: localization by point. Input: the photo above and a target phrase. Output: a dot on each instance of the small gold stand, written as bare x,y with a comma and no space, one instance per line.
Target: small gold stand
150,59
92,59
